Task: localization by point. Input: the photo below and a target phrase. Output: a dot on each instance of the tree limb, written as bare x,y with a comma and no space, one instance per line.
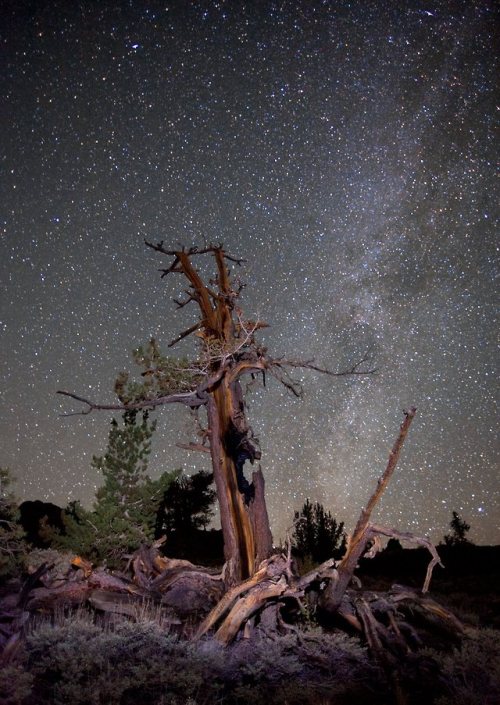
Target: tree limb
383,481
420,541
194,446
193,251
185,333
363,532
310,365
192,399
198,397
191,297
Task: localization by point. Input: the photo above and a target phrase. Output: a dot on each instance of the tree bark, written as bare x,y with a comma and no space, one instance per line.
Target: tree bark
244,518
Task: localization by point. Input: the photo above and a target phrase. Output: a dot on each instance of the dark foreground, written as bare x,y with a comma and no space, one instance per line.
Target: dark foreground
73,660
83,657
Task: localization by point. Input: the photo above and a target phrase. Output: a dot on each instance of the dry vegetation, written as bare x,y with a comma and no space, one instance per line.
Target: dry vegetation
84,658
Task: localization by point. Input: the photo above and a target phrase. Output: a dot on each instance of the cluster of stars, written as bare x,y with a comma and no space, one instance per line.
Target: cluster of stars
345,149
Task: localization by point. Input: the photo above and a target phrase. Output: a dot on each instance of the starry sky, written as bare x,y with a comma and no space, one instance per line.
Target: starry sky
345,149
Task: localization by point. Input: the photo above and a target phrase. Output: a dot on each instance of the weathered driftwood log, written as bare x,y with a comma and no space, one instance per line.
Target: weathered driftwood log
131,605
149,578
274,582
432,613
188,589
115,602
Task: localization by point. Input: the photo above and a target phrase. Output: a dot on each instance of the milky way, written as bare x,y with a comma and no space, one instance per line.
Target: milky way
345,149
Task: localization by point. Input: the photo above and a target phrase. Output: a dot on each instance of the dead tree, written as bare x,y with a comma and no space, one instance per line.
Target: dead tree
228,351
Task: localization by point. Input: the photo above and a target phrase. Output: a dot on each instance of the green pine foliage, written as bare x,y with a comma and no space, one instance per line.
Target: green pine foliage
124,513
12,546
161,375
317,536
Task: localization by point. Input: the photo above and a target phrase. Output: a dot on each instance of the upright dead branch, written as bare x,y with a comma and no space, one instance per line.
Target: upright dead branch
384,479
364,532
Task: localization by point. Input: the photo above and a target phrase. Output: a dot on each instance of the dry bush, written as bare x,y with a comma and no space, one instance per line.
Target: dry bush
74,658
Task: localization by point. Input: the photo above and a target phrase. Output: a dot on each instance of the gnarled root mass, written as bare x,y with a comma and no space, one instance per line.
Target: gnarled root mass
276,585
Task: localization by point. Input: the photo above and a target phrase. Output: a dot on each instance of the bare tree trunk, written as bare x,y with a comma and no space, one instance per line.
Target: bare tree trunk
260,520
244,518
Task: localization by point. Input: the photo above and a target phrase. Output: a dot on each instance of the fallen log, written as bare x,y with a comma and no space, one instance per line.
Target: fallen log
102,580
132,606
71,594
268,568
431,612
115,602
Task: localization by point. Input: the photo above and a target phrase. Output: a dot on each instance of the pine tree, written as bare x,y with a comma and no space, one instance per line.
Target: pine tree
184,514
317,534
459,529
12,546
124,514
187,504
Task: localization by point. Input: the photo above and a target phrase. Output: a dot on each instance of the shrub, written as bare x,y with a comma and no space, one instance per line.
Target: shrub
471,674
76,660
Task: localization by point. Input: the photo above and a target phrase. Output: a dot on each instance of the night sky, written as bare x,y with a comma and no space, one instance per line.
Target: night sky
345,149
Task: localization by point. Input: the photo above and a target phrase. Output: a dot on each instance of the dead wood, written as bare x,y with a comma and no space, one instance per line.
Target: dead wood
190,590
115,602
31,581
150,578
273,580
431,611
249,605
101,580
71,594
131,605
366,533
378,617
374,632
267,569
194,446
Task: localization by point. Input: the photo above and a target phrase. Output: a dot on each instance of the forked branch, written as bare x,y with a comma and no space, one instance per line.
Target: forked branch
358,368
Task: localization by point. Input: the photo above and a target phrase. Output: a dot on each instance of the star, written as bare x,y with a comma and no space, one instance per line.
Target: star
345,151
